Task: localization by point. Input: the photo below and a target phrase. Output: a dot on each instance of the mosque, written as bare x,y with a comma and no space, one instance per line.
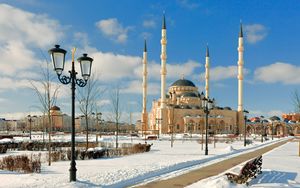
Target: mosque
180,109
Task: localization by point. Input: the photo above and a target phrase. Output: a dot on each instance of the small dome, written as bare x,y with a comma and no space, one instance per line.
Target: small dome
183,82
275,118
55,108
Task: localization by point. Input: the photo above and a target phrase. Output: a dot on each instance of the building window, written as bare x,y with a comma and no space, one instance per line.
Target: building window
177,126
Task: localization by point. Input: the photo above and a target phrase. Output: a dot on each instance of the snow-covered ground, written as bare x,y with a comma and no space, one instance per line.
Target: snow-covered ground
161,162
281,168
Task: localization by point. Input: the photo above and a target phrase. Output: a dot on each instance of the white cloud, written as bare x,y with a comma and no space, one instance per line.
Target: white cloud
113,29
222,73
34,29
189,4
15,56
103,102
149,23
11,84
255,33
135,87
174,71
21,32
266,114
114,67
278,73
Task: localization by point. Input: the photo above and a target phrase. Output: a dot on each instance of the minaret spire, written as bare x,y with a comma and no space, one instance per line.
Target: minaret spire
207,51
145,46
164,22
240,69
144,112
163,57
241,30
207,72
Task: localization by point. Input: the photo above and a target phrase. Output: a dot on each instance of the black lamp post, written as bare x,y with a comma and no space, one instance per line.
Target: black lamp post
207,105
245,131
30,120
58,59
272,130
262,127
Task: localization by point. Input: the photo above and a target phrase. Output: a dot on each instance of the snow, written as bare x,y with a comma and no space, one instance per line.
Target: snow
160,163
281,168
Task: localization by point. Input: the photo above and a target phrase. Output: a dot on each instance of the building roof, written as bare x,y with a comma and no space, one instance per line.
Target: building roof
183,82
55,108
190,94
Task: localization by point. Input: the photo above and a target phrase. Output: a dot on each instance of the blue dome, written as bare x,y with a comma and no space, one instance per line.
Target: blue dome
183,82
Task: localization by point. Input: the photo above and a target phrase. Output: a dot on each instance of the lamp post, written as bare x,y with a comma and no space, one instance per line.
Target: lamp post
30,120
272,130
58,59
158,121
207,105
245,117
262,127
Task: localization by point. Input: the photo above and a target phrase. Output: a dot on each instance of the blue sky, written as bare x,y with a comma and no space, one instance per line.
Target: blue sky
112,32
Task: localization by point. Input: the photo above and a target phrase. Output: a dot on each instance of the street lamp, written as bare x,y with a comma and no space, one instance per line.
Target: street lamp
30,120
245,117
207,105
58,59
262,127
272,130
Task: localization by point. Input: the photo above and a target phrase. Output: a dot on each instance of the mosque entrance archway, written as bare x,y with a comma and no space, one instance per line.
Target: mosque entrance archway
269,130
279,130
296,130
289,129
250,129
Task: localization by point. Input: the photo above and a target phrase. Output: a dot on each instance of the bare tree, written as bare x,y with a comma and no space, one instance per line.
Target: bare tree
87,98
46,91
116,110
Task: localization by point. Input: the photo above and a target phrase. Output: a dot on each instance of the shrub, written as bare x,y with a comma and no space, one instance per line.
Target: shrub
3,148
82,154
55,156
22,163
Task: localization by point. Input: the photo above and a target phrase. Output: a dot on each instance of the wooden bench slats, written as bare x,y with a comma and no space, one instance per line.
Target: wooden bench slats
248,171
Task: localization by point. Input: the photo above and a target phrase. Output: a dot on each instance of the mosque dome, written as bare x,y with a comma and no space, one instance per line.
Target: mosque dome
190,94
55,108
183,82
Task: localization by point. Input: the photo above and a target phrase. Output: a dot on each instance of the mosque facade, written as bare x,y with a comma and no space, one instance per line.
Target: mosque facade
179,109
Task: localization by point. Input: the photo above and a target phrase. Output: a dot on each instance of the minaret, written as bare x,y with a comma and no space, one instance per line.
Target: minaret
207,73
240,69
163,57
144,112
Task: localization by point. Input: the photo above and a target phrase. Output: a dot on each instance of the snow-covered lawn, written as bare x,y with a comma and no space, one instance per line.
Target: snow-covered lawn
161,162
281,168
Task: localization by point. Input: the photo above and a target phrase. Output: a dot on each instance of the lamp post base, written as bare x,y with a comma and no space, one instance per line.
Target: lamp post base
73,174
206,151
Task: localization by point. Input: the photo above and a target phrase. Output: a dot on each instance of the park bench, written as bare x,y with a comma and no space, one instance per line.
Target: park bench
249,171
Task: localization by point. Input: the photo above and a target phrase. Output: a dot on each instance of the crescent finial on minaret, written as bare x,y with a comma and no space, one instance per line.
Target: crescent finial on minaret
145,46
241,30
164,22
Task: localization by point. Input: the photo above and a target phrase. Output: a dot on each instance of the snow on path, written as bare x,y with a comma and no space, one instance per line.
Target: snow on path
281,168
160,162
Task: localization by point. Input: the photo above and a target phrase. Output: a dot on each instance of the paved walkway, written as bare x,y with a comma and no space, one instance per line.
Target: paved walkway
210,170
